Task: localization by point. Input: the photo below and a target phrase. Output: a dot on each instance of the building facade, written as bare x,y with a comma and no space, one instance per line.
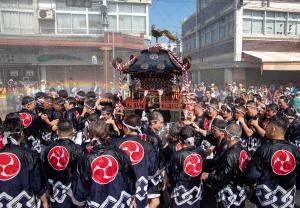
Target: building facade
249,41
48,40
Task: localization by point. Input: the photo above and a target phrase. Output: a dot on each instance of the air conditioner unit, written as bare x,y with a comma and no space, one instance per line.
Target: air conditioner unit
46,14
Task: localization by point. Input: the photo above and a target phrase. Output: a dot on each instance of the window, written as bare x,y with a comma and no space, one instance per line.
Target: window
64,23
112,7
257,26
125,8
26,22
139,24
17,16
247,26
137,8
95,25
78,23
276,23
61,6
293,24
11,21
125,23
280,28
270,27
215,32
253,22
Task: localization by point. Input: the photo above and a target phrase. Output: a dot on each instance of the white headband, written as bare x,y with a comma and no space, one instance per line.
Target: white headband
190,140
133,128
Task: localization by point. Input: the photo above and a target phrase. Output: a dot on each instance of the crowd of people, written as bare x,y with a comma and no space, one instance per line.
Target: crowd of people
233,145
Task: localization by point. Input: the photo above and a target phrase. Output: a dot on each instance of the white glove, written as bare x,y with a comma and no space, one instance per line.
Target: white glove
145,93
160,92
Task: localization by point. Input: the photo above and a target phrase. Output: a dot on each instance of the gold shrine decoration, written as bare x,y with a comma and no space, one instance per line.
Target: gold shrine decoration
158,33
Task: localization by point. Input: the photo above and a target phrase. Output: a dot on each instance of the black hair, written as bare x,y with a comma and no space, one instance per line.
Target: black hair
284,98
280,123
175,128
228,100
63,94
13,124
219,123
186,132
239,101
133,120
65,125
90,104
71,100
107,109
154,116
39,95
90,95
26,100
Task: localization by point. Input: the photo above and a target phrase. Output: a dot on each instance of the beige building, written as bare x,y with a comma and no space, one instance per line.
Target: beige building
251,41
46,39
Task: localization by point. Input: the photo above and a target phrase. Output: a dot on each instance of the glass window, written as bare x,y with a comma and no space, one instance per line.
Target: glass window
138,8
11,21
257,26
280,15
78,23
25,4
247,13
202,38
95,8
270,14
207,36
257,14
64,23
9,4
222,31
247,26
26,22
112,23
139,25
95,25
280,28
126,8
270,27
125,23
215,32
61,6
112,7
292,28
298,29
294,16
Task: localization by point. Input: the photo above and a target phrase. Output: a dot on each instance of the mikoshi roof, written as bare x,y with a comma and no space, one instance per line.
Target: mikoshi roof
155,59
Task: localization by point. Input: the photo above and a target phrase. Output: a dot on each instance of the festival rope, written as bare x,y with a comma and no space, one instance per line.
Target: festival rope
120,68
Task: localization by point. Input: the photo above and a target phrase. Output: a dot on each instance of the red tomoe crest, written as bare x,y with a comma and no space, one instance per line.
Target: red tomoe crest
193,165
134,150
104,169
178,147
9,166
283,162
26,119
144,137
58,158
243,160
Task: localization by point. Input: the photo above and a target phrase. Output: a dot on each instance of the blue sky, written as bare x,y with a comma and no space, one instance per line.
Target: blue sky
169,14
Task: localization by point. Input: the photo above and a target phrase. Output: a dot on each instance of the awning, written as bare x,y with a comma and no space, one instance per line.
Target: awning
277,61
